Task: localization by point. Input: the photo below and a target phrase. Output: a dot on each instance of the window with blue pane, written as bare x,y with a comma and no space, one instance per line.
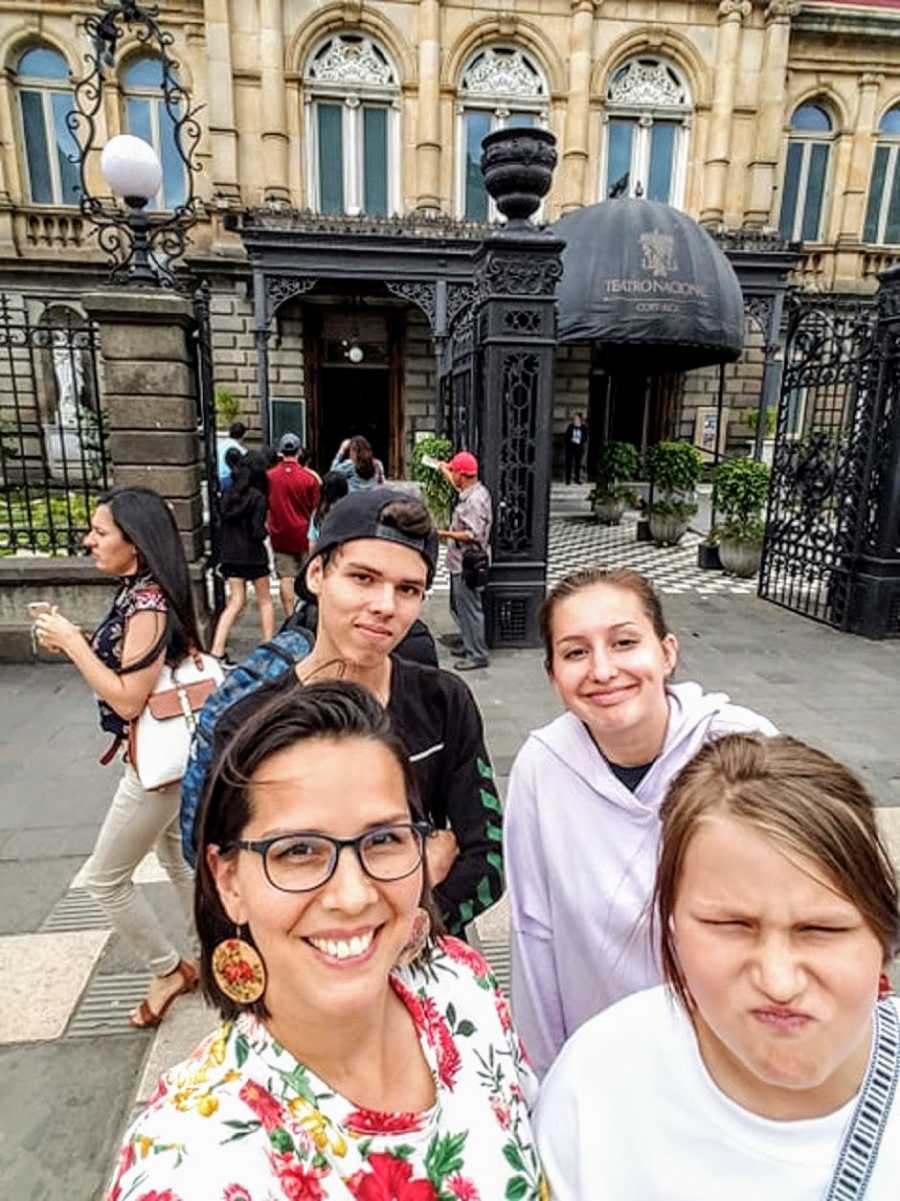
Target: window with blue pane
147,117
501,87
648,106
352,127
882,220
805,186
49,146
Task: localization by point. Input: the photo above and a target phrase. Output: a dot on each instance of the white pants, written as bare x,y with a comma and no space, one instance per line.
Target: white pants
137,822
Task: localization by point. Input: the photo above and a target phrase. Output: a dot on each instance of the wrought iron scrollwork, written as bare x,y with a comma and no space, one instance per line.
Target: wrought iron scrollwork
421,293
282,288
520,375
128,239
519,273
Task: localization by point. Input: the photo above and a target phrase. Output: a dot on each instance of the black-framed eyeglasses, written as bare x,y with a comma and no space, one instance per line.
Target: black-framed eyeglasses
302,862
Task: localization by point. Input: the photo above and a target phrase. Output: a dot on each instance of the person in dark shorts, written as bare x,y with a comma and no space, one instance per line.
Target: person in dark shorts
244,553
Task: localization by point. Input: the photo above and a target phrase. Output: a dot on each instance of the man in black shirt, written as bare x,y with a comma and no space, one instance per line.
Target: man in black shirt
575,442
375,557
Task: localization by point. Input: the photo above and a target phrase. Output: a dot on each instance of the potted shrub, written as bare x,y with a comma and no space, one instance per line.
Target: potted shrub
616,461
436,492
674,469
768,440
742,486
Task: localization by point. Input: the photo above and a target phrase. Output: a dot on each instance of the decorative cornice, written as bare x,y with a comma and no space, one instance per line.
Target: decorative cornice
414,224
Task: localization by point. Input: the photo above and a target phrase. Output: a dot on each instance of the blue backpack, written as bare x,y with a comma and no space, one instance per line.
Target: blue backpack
266,663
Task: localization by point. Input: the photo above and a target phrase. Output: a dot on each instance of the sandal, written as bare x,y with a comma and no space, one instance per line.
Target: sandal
145,1018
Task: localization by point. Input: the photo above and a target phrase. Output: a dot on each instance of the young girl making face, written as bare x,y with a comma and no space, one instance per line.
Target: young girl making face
582,820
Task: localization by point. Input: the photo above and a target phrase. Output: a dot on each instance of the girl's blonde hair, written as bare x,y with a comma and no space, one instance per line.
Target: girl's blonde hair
798,797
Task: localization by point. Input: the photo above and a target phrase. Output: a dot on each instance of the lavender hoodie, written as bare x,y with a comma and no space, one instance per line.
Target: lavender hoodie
580,853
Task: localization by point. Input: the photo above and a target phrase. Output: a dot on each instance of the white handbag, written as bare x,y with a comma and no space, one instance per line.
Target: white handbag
160,738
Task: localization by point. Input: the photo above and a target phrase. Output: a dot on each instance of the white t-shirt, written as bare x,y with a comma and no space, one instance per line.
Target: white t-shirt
628,1112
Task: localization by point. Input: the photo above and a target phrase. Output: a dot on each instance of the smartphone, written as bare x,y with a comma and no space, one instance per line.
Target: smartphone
36,608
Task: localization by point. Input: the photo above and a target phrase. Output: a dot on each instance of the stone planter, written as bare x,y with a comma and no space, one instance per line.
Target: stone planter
667,529
518,168
609,510
740,559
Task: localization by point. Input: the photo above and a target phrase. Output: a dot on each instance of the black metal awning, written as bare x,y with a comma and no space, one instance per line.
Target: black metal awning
649,287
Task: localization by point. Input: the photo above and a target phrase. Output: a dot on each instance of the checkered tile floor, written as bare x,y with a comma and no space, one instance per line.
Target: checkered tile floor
579,541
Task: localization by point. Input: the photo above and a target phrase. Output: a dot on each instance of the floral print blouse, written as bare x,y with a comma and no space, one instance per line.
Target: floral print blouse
242,1120
137,594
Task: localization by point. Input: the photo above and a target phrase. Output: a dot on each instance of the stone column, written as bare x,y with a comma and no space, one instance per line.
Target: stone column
150,395
220,117
575,137
428,109
770,114
272,101
857,181
718,147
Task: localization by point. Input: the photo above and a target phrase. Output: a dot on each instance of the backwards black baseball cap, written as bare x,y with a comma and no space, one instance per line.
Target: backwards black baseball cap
359,516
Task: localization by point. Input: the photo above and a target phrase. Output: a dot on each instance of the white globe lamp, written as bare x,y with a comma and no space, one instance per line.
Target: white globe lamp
132,169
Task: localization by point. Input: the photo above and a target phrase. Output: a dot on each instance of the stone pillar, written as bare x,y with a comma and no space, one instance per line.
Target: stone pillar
515,331
220,118
770,114
873,559
272,102
428,109
718,147
857,181
575,137
150,395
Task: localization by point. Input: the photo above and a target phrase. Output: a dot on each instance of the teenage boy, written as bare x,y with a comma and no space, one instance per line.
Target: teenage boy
293,497
375,557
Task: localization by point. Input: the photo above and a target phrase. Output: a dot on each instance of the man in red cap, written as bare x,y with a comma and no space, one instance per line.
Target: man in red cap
470,528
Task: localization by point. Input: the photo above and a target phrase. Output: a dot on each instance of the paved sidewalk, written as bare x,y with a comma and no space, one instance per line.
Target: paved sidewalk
72,1068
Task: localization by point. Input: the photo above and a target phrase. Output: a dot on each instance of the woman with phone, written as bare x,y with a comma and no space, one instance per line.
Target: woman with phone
133,536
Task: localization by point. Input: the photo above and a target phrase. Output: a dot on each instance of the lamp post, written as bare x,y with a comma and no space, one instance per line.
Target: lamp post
132,169
142,249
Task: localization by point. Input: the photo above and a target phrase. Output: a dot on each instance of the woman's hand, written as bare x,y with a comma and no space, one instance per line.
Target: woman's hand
56,633
441,851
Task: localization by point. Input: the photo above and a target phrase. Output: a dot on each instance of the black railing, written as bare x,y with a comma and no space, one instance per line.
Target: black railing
53,454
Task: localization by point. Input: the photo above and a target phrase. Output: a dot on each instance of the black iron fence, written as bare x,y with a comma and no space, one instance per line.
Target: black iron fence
53,452
818,492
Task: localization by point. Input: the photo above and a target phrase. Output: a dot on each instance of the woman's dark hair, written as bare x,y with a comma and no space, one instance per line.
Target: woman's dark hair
271,456
251,472
233,456
146,520
335,487
334,710
363,457
237,430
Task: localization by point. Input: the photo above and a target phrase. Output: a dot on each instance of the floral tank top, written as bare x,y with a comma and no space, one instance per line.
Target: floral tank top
138,593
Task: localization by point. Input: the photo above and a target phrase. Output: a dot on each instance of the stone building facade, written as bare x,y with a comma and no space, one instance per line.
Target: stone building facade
779,118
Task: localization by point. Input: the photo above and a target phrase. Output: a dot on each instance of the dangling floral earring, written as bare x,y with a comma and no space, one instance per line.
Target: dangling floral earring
238,970
418,939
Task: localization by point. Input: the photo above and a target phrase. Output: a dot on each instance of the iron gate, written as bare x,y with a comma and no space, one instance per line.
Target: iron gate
53,452
206,424
819,485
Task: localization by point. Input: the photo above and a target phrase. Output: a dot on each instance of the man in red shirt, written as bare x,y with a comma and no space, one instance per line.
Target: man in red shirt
293,497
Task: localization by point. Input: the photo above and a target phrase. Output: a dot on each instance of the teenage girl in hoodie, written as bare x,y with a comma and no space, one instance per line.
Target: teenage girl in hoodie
244,554
581,827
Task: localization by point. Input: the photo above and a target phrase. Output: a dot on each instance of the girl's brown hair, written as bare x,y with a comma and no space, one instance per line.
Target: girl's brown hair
794,795
363,456
588,577
335,711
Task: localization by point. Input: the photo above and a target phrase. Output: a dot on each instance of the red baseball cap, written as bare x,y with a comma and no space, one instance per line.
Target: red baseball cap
464,462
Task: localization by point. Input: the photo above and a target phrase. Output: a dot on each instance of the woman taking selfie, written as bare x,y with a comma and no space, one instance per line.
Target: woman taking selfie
362,1056
767,1061
582,828
151,622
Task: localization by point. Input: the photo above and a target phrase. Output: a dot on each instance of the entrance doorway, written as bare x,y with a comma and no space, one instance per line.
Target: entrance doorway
354,381
628,407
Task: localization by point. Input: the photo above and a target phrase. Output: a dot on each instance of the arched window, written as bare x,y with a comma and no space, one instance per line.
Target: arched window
806,174
147,117
500,87
882,224
648,107
352,127
45,97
